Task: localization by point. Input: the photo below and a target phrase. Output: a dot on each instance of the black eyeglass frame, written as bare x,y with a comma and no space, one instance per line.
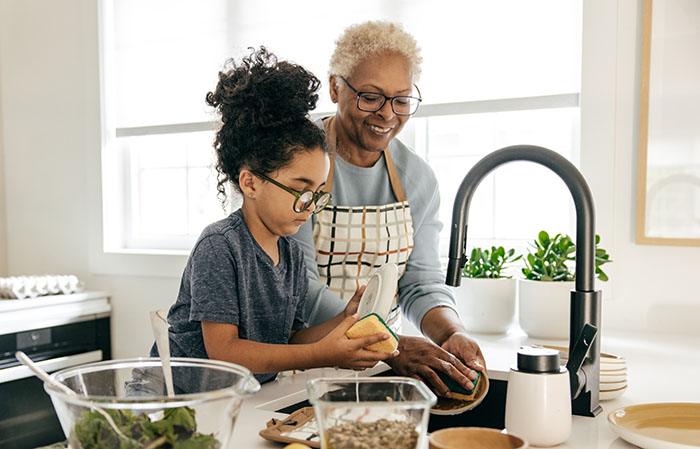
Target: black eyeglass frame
391,100
297,194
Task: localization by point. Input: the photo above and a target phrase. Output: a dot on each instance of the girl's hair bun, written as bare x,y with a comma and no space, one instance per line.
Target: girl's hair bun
264,105
261,92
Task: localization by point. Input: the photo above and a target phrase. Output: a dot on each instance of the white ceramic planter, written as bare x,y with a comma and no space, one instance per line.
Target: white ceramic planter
486,305
544,308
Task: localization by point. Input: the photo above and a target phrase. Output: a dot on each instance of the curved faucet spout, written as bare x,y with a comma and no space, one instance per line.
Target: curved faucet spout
585,301
583,201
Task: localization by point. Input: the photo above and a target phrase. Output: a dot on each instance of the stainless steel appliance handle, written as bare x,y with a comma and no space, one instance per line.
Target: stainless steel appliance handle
50,365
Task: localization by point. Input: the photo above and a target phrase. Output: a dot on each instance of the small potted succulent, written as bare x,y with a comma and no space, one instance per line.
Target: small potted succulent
486,298
544,293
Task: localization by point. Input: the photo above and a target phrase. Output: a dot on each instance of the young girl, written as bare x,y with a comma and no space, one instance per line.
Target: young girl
242,292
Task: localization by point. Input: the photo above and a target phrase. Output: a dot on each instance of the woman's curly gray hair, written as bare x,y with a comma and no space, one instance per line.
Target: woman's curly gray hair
368,38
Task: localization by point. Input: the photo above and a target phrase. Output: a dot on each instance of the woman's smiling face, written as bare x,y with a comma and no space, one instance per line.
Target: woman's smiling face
385,73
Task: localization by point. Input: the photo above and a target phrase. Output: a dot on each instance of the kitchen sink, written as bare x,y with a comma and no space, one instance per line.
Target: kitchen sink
490,413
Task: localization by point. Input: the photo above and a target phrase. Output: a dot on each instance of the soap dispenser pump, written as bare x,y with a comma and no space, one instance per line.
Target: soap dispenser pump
538,399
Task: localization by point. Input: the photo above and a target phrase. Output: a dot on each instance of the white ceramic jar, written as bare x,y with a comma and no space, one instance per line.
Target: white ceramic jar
486,305
543,309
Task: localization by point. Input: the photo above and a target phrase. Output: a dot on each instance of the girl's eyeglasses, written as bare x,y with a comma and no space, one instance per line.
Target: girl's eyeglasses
304,198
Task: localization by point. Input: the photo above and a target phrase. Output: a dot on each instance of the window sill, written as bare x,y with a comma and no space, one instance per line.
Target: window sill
157,263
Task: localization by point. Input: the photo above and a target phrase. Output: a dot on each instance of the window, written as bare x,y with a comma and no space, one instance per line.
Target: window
517,200
494,74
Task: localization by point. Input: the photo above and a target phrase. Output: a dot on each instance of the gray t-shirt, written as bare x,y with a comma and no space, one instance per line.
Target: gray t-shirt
230,279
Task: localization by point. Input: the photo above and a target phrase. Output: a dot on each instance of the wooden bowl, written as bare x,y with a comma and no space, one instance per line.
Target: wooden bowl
475,438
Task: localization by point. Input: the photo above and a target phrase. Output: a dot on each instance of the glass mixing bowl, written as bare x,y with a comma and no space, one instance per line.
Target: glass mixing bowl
201,414
376,412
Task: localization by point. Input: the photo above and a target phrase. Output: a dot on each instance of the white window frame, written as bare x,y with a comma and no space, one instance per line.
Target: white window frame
596,103
535,103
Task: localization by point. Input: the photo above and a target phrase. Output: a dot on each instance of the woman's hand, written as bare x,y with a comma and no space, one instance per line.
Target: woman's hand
336,349
422,359
468,350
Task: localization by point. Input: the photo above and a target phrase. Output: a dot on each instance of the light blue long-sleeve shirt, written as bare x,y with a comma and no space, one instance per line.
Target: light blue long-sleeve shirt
422,287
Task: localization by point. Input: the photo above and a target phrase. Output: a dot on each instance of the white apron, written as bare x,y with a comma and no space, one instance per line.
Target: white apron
352,242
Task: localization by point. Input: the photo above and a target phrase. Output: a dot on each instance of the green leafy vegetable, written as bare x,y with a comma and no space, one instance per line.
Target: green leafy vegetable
177,430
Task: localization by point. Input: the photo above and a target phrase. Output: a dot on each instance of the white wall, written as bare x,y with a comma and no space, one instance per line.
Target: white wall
50,120
655,286
652,286
50,102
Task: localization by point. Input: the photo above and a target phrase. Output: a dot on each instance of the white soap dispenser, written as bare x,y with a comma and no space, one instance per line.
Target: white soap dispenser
538,398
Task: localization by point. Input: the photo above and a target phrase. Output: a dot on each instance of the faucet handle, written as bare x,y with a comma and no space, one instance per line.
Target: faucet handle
454,269
577,354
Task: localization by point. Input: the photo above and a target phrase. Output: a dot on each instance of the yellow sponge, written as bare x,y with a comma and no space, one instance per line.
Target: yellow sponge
370,325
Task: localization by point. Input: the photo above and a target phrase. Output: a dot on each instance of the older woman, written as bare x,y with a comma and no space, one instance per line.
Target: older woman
385,206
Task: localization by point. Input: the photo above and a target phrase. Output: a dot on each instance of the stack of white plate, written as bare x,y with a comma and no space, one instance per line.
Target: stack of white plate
613,372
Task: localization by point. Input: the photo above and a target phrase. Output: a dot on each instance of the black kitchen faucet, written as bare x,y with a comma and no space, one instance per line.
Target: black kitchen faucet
584,347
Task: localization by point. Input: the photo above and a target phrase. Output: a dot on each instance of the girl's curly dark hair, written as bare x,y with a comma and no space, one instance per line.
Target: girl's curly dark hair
264,105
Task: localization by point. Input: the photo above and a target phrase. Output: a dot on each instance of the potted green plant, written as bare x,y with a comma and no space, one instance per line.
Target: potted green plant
483,263
486,298
544,292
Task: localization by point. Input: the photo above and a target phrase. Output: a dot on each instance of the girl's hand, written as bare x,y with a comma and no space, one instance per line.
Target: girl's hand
336,349
354,302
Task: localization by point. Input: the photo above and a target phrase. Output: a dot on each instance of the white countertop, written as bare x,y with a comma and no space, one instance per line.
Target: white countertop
18,315
660,368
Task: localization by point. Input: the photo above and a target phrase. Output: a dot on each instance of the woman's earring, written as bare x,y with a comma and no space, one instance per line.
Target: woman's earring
250,195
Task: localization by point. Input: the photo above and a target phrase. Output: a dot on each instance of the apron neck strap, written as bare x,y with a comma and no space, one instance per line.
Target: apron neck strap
332,142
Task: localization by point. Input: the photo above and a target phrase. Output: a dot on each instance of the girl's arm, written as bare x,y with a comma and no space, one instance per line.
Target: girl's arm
316,333
335,349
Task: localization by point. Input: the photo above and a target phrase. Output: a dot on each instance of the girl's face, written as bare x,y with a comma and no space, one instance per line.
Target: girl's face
275,206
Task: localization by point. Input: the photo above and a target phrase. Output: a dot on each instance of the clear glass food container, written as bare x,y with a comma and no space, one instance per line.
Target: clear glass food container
132,395
371,412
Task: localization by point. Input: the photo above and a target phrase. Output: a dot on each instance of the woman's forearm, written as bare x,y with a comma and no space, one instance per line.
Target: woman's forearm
440,323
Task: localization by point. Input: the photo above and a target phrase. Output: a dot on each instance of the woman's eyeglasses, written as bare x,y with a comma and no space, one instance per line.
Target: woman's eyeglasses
374,101
304,198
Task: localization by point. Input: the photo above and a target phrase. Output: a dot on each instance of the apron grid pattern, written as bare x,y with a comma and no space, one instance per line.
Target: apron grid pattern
352,242
369,237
